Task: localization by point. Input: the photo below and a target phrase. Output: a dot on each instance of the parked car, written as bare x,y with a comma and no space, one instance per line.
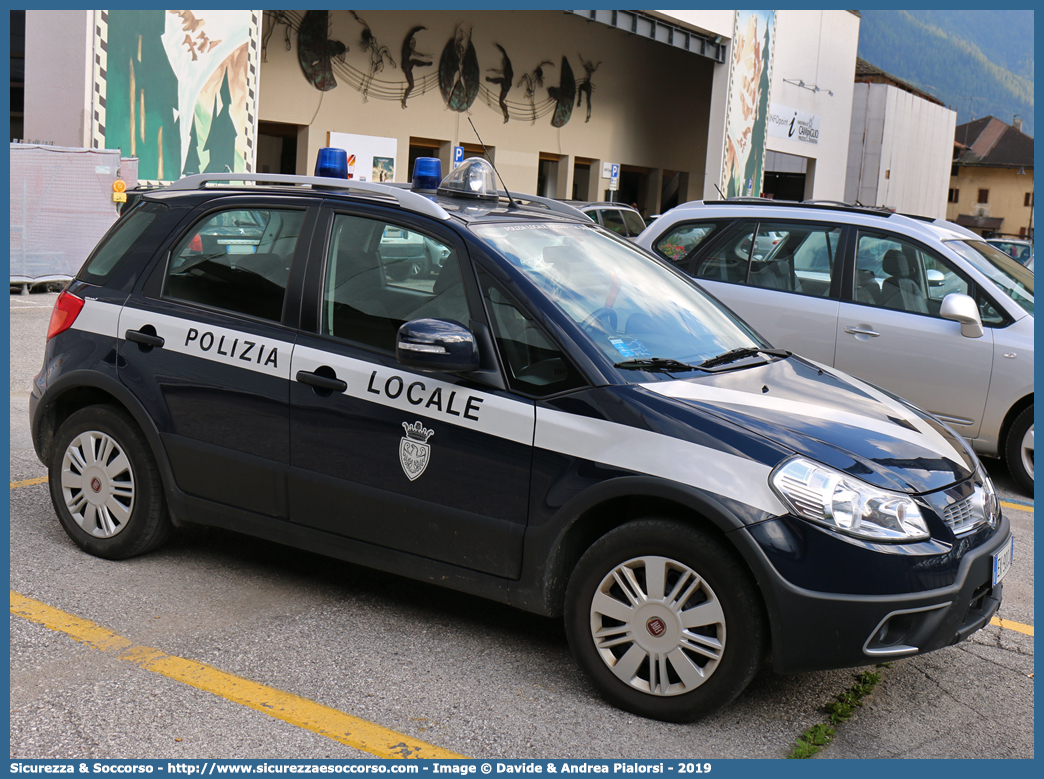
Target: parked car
552,419
922,308
617,217
1018,249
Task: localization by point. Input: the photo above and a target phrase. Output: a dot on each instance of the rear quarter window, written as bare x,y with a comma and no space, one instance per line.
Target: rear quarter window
122,238
682,239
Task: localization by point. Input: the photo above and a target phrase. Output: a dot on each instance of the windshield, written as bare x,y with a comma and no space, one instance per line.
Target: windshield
631,306
1014,279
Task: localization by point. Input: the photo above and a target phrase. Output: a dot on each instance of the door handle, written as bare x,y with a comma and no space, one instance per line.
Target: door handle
145,338
322,382
861,331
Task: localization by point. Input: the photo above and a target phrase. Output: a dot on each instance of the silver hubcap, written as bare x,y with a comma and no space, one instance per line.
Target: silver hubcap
658,626
1027,451
97,484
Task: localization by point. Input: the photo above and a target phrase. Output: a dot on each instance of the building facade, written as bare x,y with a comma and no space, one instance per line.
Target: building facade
991,182
681,101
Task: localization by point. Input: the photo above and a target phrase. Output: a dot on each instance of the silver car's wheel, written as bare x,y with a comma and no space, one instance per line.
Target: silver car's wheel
1018,450
646,610
1027,451
97,484
658,625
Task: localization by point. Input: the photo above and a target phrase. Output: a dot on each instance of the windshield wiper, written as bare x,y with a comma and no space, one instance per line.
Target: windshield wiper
738,354
652,364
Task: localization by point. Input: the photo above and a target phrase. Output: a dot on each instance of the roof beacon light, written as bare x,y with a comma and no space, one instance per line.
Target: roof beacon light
332,163
427,174
473,178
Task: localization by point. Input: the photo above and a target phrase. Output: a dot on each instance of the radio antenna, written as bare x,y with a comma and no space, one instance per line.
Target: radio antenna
485,151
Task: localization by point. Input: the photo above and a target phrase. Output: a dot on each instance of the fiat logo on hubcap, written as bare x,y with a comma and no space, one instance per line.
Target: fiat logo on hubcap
96,484
656,626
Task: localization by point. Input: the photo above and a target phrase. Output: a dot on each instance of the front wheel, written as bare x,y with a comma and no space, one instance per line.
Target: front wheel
664,620
105,485
1018,450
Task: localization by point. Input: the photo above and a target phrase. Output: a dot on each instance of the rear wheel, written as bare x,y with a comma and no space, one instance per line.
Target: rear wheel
664,620
1018,449
105,485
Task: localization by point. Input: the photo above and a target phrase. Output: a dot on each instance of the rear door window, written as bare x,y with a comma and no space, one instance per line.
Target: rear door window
785,256
236,260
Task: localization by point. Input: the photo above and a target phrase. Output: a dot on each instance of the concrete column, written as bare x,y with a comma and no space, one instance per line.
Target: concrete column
305,156
810,179
594,183
564,182
655,192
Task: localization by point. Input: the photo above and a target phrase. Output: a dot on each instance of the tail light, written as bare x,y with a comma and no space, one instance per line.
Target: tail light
66,308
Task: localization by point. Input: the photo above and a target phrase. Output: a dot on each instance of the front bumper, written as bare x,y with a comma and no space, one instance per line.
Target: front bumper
814,630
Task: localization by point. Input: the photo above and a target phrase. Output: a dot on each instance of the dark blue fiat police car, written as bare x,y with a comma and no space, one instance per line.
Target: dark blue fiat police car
530,409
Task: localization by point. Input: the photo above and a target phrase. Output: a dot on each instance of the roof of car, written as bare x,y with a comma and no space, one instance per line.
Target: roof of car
738,207
442,208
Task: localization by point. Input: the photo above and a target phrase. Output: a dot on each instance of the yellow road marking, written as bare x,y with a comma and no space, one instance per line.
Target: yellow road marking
1017,506
28,482
1009,625
301,712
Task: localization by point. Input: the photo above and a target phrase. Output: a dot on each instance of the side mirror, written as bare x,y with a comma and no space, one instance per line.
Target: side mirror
935,277
961,308
437,345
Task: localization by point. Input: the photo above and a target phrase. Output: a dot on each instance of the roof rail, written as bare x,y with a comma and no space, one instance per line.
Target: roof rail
408,199
842,203
551,204
835,205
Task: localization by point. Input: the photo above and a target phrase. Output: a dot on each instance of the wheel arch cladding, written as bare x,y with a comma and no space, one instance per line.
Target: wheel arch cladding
595,520
78,391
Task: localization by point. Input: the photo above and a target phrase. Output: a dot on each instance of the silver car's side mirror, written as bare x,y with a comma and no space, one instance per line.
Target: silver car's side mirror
935,277
961,308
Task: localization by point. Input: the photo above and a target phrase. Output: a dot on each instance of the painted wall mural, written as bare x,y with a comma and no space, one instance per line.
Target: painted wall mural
458,76
177,90
747,113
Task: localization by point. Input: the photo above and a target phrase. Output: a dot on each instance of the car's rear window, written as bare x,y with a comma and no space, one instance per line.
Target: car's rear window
118,242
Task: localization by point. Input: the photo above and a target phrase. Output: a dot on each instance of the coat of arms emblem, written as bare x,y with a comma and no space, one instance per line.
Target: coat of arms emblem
414,452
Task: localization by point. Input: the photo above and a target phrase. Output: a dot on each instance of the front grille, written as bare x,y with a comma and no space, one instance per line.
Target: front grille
964,516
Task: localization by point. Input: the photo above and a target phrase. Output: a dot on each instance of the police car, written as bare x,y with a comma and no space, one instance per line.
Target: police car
549,417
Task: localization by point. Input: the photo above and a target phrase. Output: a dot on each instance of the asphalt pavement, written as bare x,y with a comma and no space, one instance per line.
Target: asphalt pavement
430,666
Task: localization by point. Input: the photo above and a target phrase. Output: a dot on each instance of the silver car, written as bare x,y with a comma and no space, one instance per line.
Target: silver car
920,307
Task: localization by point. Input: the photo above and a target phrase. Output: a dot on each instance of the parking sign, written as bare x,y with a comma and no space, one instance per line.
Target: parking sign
614,179
458,155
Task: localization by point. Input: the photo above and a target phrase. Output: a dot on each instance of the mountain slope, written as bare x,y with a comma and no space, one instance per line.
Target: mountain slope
977,62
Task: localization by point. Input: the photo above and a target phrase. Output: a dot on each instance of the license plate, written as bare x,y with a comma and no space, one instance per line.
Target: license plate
1002,559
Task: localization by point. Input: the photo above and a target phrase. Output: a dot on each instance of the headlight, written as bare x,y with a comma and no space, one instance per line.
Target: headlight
991,503
847,505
